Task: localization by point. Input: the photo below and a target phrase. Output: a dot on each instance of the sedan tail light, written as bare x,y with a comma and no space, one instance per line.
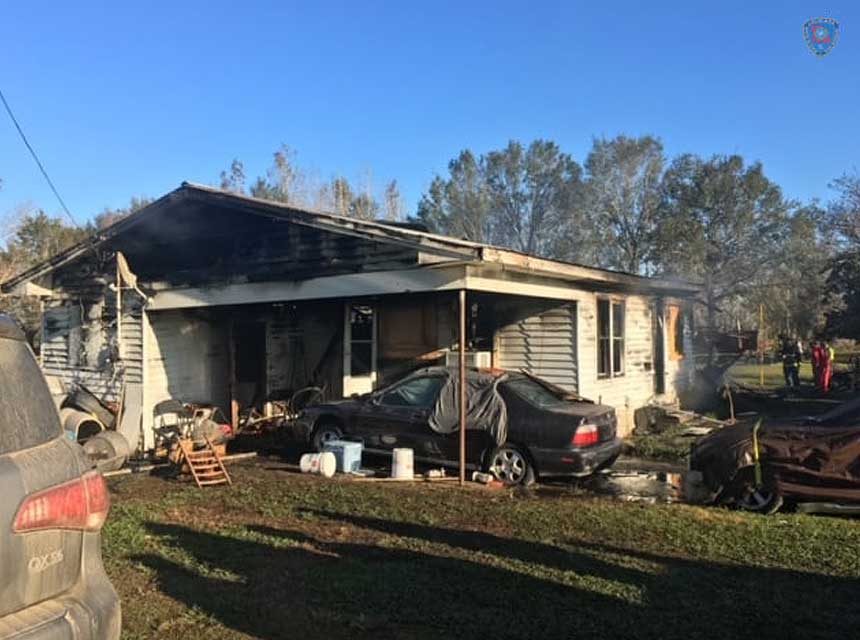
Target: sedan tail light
79,504
586,436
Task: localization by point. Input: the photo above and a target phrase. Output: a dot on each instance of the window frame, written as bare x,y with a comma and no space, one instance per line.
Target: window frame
369,341
615,341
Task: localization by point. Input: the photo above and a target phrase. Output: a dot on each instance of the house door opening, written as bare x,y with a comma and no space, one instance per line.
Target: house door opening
359,349
658,332
249,364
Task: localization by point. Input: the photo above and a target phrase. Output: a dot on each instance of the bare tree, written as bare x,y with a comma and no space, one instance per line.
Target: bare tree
394,207
341,195
234,179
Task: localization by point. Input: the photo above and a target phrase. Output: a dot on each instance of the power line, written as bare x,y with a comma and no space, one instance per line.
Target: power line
36,158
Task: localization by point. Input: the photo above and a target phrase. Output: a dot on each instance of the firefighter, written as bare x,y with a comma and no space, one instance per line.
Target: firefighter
829,358
818,364
791,358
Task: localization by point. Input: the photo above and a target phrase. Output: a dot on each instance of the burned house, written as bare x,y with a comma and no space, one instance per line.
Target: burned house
211,297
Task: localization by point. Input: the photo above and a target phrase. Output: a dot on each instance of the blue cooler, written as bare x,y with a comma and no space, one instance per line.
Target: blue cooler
347,454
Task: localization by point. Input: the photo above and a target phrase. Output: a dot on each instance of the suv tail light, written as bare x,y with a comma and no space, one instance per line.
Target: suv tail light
79,504
586,436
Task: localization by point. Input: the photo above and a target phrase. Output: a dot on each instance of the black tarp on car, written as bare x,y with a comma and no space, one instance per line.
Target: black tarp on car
485,408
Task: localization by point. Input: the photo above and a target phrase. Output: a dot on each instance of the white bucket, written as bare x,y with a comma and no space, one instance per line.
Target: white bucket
325,464
402,464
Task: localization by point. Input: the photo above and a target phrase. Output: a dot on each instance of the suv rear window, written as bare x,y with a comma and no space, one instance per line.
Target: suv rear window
27,413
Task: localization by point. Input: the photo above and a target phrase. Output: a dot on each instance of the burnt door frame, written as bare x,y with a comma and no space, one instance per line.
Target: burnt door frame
245,337
658,337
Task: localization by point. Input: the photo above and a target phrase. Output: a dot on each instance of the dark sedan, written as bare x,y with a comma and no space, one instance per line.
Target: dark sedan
519,427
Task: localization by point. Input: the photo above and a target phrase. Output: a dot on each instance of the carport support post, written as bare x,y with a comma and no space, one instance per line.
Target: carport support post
462,389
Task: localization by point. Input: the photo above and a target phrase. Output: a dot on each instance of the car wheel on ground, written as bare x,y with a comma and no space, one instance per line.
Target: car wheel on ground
511,465
325,432
760,500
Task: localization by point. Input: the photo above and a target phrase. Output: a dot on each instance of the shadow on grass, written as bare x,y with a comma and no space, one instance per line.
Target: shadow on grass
443,583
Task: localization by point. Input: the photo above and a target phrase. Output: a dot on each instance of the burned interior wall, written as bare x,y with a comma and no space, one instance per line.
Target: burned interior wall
306,340
412,332
304,348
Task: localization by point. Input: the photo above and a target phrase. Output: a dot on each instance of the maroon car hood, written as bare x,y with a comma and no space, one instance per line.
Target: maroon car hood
810,462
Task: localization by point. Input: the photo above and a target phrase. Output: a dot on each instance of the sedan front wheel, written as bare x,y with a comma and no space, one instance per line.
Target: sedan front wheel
511,466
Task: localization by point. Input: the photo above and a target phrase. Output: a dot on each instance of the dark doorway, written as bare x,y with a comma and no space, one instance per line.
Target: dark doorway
249,363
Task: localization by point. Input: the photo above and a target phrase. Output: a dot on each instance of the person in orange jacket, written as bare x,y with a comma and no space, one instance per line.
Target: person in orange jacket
827,375
817,358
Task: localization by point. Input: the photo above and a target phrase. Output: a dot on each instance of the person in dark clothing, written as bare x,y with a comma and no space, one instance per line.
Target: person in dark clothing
792,355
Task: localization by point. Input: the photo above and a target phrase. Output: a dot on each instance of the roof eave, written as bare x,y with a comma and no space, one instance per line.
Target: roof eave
511,260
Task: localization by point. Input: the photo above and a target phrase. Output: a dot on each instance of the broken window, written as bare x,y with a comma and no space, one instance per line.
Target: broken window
610,338
676,332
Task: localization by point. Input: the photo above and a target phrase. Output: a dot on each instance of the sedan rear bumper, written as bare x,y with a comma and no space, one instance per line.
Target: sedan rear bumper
575,462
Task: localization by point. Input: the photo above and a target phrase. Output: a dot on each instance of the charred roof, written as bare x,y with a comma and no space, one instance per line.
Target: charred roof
150,233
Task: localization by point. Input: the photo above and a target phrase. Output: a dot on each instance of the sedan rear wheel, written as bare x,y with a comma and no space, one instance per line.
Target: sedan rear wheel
511,466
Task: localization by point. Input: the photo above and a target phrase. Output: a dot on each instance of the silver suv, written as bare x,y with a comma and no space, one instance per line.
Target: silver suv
52,507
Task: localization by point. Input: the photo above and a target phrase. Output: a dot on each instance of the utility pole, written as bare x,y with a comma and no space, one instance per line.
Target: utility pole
462,390
761,346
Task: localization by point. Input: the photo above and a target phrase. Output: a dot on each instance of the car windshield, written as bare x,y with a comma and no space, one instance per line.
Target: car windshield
535,393
27,413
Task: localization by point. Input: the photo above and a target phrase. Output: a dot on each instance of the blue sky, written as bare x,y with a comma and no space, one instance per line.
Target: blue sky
123,101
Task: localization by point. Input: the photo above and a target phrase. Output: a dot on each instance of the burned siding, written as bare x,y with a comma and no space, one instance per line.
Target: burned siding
80,344
203,246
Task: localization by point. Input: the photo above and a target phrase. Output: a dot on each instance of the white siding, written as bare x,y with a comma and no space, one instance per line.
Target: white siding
187,358
635,388
543,344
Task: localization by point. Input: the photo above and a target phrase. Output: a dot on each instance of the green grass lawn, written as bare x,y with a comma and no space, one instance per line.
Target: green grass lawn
748,375
280,555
